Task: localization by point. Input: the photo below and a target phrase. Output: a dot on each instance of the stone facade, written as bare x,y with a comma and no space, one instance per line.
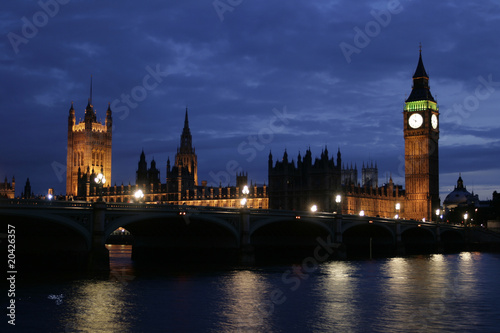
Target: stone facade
89,149
8,190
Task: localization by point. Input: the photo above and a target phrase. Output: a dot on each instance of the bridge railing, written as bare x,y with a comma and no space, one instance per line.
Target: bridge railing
38,203
30,203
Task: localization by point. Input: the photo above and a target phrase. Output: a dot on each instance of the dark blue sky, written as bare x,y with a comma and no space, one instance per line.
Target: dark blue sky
256,76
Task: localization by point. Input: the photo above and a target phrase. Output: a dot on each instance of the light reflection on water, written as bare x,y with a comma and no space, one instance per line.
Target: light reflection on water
97,307
103,305
244,305
436,293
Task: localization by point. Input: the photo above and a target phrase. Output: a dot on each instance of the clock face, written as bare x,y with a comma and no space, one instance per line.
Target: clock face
434,121
416,120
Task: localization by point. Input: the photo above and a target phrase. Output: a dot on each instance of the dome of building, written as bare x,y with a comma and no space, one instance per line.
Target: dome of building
460,196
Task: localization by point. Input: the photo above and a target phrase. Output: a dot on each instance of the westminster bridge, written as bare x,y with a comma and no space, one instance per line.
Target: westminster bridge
62,233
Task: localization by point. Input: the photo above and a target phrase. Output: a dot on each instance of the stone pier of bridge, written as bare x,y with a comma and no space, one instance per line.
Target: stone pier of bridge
98,258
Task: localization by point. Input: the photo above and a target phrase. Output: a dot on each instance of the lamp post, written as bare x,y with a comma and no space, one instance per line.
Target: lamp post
438,211
398,208
244,200
138,195
314,208
100,180
465,219
338,200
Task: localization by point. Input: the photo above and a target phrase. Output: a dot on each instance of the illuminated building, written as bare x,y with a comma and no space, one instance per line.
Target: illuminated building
460,197
299,186
181,186
421,133
89,150
8,190
292,186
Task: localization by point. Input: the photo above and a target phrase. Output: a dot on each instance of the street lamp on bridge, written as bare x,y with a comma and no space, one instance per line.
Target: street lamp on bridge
398,208
338,200
244,200
100,180
138,195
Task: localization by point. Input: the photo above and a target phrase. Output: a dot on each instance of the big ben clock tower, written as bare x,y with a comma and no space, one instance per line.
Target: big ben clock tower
421,133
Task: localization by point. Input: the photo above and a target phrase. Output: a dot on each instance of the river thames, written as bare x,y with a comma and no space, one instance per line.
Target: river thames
431,293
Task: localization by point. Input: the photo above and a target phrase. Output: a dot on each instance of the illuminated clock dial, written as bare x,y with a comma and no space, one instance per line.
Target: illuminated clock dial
434,121
416,120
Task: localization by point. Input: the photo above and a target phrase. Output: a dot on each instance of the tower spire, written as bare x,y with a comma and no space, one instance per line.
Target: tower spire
90,98
186,121
420,90
186,138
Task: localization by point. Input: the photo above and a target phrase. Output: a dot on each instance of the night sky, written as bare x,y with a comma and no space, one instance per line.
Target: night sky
256,76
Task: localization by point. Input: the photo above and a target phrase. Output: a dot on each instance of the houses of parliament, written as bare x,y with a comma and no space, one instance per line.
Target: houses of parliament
292,184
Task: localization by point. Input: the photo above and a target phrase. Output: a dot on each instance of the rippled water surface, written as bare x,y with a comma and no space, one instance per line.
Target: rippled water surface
436,293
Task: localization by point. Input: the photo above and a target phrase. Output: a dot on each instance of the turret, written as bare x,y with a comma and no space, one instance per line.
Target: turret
71,117
339,159
109,119
142,170
27,190
90,116
186,138
285,157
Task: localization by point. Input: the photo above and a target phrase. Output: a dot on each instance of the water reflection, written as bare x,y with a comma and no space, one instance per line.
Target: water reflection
120,263
432,293
102,305
338,289
97,306
246,305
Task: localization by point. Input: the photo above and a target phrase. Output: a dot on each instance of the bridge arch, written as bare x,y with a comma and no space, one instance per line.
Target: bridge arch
162,238
349,225
130,219
61,220
280,219
364,238
453,240
418,240
286,238
46,241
